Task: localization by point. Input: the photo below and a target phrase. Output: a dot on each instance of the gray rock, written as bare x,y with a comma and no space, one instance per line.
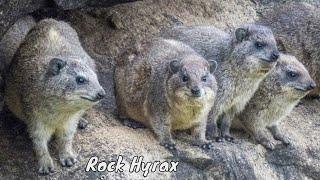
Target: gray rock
73,4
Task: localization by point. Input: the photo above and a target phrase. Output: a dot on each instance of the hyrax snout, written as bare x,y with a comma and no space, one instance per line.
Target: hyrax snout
50,84
277,95
168,87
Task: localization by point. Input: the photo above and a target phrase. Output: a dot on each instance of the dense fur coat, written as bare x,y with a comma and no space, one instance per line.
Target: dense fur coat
297,29
244,59
167,86
50,83
277,95
9,44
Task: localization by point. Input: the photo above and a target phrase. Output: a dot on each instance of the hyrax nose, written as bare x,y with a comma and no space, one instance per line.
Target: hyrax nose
274,56
312,86
100,95
195,90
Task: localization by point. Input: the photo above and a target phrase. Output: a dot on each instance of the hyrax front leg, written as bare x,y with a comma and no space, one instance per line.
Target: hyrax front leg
40,137
162,128
64,138
278,135
226,120
212,128
198,133
261,137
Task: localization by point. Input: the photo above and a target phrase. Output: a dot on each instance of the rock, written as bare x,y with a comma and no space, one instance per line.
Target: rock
12,10
74,4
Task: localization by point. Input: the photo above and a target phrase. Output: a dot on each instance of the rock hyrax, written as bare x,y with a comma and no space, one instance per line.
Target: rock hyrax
297,29
167,87
9,44
275,98
244,60
210,42
51,82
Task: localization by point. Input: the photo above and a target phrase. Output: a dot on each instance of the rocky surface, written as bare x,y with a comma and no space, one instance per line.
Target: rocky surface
11,10
107,33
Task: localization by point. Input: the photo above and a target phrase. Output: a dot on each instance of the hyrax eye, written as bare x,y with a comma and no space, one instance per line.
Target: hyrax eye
80,80
259,45
204,78
185,78
292,74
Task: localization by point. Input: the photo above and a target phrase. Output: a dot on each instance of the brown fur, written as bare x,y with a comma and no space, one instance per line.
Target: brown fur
277,95
148,90
9,44
296,26
241,65
42,88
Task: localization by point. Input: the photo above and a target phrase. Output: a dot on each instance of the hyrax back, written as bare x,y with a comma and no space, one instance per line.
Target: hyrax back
9,44
51,82
210,42
245,58
275,98
12,39
167,86
296,27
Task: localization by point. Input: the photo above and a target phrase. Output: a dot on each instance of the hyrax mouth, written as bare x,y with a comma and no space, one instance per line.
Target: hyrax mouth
264,70
267,60
301,89
89,99
196,95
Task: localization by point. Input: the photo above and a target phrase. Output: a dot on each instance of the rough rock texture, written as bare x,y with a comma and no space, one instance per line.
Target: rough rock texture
106,33
11,10
73,4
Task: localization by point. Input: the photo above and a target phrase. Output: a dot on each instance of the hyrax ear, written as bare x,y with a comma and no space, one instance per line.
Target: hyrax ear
174,66
241,34
281,45
55,66
213,65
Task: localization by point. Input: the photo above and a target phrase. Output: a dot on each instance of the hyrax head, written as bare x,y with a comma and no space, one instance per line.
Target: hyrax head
192,78
255,48
293,77
73,82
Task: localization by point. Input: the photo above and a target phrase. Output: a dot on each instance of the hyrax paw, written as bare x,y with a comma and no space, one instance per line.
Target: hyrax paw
219,139
269,145
132,124
170,146
83,123
46,167
68,161
286,141
229,138
207,146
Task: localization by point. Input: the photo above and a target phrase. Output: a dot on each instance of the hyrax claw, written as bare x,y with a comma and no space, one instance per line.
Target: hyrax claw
207,146
170,146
